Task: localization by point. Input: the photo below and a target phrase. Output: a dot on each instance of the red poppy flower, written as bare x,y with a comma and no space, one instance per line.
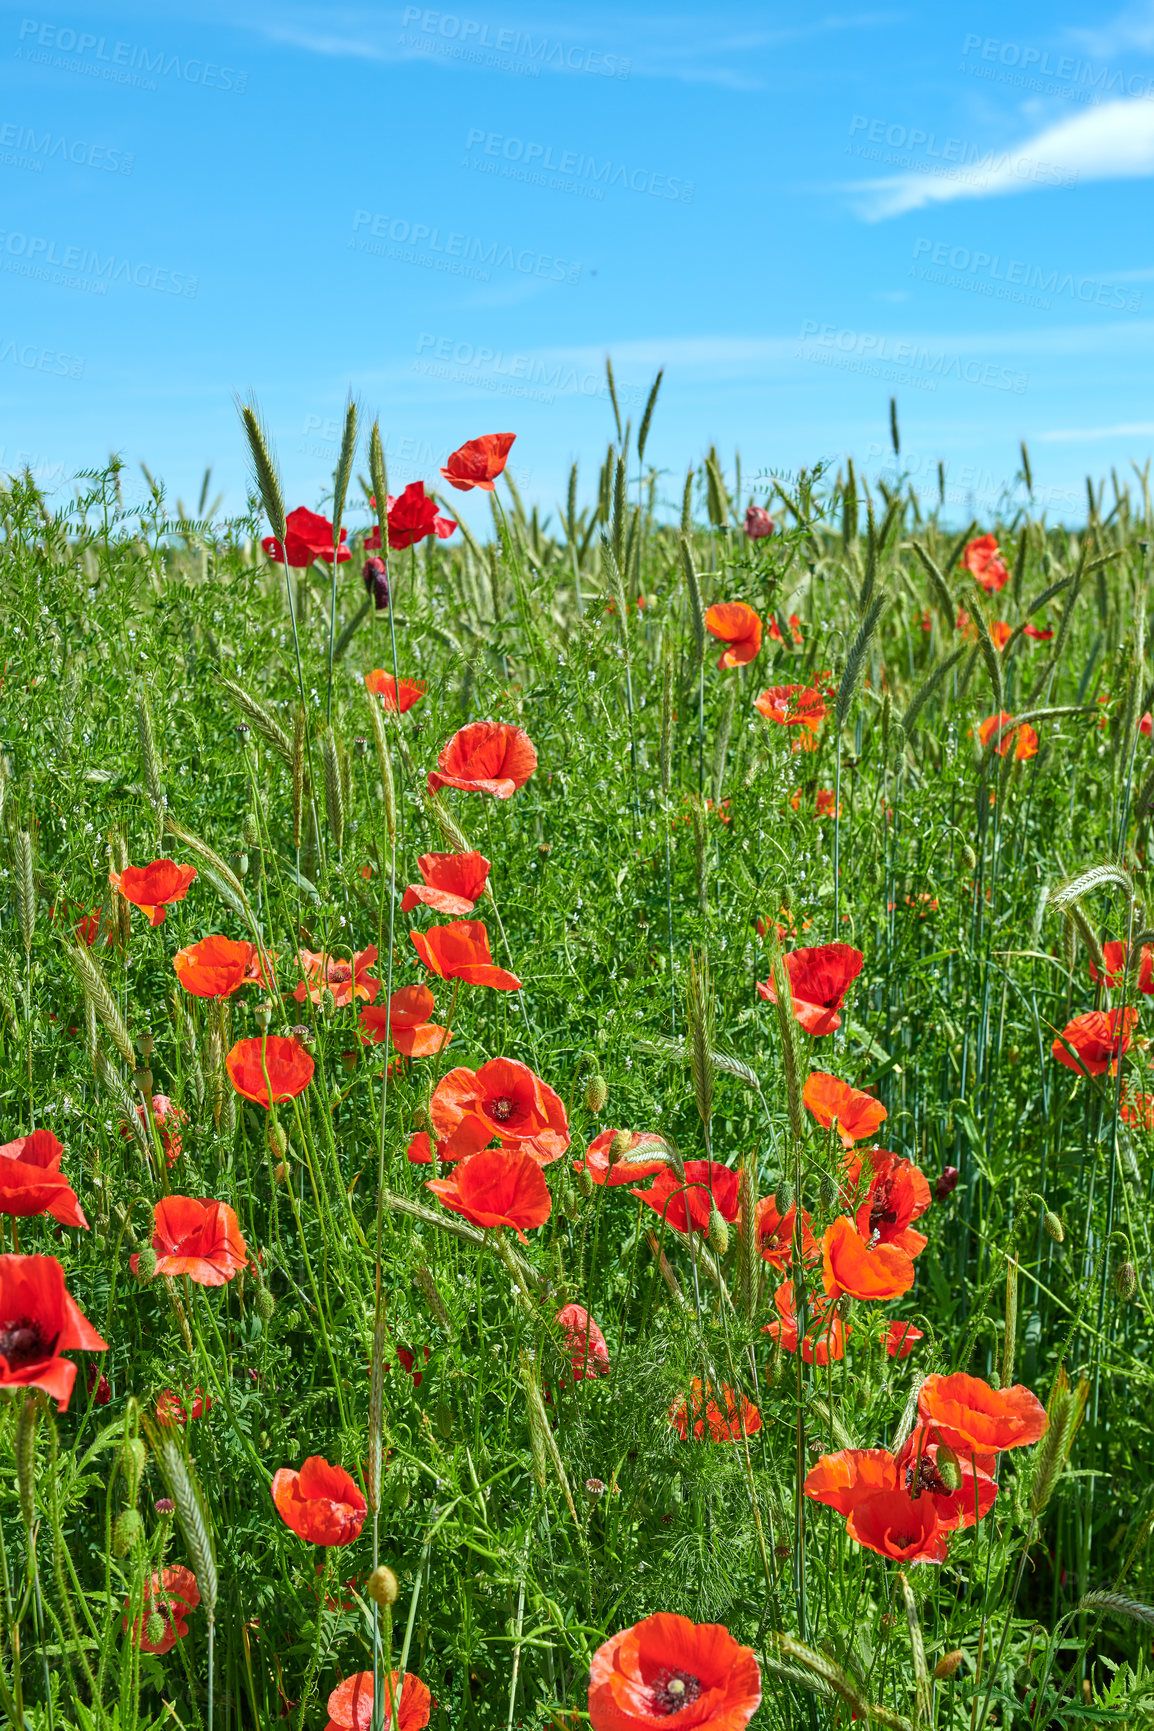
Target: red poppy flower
710,1185
852,1265
395,698
903,1528
973,1418
794,630
735,623
172,1594
461,952
775,1234
320,1502
39,1319
496,1187
792,706
1000,633
918,1475
351,1703
1040,636
88,929
846,1478
1114,955
31,1181
1023,739
758,522
406,1018
825,1334
411,517
170,1409
407,1360
308,536
478,462
168,1117
453,883
200,1239
898,1194
818,981
1093,1042
290,1069
346,980
583,1341
834,1103
151,887
631,1168
901,1338
1137,1110
985,564
729,1417
485,757
665,1667
217,967
507,1100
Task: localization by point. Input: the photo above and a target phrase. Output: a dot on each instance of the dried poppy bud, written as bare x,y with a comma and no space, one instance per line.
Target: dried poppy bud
544,848
1125,1281
126,1530
947,1183
718,1232
382,1586
947,1665
281,1171
596,1094
265,1303
155,1627
1053,1225
277,1140
146,1264
949,1471
782,1550
783,1197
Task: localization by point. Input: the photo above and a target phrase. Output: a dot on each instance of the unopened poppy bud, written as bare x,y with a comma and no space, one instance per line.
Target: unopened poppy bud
262,1016
277,1140
619,1146
281,1171
135,1461
155,1627
250,829
382,1586
146,1264
126,1530
1125,1281
969,856
1053,1225
758,523
827,1193
718,1233
265,1303
421,1119
783,1197
1023,1677
947,1665
571,1204
949,1470
584,1183
947,1183
596,1094
328,1001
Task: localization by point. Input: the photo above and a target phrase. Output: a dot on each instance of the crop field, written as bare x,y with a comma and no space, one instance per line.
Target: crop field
577,1147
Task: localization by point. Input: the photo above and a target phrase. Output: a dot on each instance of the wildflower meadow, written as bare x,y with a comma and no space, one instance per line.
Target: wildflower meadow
576,1143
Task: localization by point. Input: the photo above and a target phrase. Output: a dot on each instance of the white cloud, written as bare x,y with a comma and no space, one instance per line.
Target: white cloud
1075,435
1114,141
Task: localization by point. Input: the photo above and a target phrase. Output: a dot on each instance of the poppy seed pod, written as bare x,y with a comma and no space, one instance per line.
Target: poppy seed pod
382,1586
146,1265
947,1666
718,1232
596,1094
262,1016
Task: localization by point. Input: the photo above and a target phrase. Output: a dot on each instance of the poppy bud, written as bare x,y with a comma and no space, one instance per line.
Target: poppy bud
382,1586
619,1146
949,1471
265,1303
969,856
126,1531
376,581
281,1171
155,1626
1125,1281
250,829
584,1184
1053,1226
718,1232
783,1197
947,1665
328,1001
947,1182
277,1140
758,523
596,1094
571,1203
135,1461
827,1194
146,1264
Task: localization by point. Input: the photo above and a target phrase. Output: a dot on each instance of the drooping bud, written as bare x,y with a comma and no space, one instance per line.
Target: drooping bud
382,1586
783,1197
376,580
328,1001
277,1140
969,856
126,1531
947,1665
1053,1226
947,1183
250,829
596,1093
949,1469
146,1264
718,1232
1125,1281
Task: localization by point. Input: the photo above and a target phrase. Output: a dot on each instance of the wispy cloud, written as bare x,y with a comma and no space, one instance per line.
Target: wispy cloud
1114,141
1076,435
1132,28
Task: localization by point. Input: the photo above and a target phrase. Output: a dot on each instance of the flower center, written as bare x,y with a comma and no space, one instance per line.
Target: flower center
501,1109
925,1477
24,1342
673,1690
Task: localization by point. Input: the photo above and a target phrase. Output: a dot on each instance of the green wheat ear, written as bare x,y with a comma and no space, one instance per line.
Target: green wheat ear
264,469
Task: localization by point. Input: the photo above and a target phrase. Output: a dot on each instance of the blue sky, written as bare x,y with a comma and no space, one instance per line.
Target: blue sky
456,215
